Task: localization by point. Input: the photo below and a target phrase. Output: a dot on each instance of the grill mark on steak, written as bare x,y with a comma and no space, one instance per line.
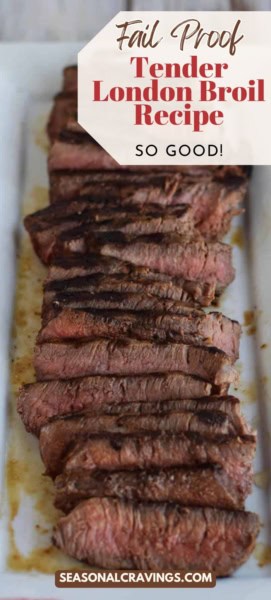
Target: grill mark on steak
155,450
114,534
192,292
213,202
111,300
39,402
119,282
172,254
194,486
131,357
193,327
58,437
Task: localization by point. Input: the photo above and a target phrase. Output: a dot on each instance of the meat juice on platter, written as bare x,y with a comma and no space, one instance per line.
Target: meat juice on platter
131,402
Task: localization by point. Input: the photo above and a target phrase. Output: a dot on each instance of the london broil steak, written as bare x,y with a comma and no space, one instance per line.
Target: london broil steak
41,401
125,356
150,457
114,534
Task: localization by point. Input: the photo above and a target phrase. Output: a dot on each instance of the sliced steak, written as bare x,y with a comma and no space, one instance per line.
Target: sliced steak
135,283
179,256
131,357
75,151
213,202
101,210
198,486
155,450
126,186
192,292
114,534
111,300
58,437
39,402
212,329
75,265
48,225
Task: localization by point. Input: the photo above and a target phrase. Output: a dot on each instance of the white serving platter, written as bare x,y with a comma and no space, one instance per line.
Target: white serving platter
30,74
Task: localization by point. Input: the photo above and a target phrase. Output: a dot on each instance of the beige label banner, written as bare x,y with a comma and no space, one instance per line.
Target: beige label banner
167,88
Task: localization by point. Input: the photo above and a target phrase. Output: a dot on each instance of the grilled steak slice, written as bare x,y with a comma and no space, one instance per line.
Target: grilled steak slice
130,284
85,265
213,202
173,254
102,211
115,534
70,79
131,357
64,109
198,486
74,265
155,450
58,437
76,151
111,300
48,224
193,327
39,402
128,187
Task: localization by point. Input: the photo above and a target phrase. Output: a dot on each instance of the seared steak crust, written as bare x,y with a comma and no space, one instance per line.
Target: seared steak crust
155,450
58,436
74,266
198,486
193,327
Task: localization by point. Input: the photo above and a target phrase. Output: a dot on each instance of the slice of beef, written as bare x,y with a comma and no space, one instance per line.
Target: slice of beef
99,210
74,265
91,264
213,202
71,151
82,218
176,255
58,437
112,300
199,486
134,283
70,79
114,534
125,186
64,292
155,450
131,357
39,402
63,109
212,329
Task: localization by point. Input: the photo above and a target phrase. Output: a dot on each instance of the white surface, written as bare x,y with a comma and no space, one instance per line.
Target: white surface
40,79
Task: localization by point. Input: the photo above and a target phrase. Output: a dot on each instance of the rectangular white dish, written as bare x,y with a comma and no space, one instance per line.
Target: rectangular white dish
30,76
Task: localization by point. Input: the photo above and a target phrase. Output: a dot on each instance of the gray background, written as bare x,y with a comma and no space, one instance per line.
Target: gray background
71,20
